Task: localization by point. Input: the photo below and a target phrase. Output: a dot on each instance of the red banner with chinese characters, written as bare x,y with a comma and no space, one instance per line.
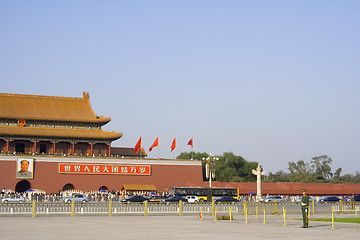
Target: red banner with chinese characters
104,169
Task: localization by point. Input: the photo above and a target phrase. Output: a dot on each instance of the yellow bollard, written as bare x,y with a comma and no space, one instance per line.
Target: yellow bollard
110,209
212,208
33,209
356,208
264,216
256,211
246,217
275,208
180,208
245,207
284,216
72,209
230,217
332,218
146,213
340,207
313,207
215,215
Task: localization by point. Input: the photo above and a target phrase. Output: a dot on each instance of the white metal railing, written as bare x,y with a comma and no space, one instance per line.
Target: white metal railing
44,208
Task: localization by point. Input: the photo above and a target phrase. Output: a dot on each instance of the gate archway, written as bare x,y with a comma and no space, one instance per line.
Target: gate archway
68,186
22,186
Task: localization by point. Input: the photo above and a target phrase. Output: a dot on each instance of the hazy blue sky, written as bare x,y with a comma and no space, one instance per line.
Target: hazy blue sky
272,81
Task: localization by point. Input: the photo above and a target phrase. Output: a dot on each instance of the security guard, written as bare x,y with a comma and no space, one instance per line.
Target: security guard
305,209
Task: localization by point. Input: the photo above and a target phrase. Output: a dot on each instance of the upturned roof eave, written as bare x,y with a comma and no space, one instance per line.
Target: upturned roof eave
59,133
103,120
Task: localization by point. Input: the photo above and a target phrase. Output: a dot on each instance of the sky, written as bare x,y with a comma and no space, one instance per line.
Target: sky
271,81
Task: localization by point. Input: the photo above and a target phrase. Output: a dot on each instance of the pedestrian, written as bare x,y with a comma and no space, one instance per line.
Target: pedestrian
305,208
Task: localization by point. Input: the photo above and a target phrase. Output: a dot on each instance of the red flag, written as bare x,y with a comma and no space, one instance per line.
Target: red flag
138,145
155,144
173,145
191,143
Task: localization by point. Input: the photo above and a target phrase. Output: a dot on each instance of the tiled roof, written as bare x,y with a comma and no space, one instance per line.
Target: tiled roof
36,107
58,132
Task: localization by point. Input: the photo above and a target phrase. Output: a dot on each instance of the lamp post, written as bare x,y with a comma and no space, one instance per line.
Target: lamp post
210,167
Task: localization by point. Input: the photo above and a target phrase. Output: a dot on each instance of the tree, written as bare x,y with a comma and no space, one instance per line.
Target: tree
229,168
299,171
321,168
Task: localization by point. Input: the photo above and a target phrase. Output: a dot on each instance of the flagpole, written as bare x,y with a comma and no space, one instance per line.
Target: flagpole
192,148
158,149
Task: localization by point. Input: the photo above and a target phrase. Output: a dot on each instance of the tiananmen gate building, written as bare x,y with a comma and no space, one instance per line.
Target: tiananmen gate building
61,143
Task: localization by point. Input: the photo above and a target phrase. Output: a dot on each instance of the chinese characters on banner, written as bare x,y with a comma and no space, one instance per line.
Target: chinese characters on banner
104,169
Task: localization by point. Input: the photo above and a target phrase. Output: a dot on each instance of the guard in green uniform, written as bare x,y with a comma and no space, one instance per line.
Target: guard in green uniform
305,209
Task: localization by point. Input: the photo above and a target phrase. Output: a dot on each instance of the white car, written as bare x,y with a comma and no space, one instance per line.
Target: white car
192,199
273,199
14,198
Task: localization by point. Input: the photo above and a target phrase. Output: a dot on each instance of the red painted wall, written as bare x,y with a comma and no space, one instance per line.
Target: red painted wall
47,178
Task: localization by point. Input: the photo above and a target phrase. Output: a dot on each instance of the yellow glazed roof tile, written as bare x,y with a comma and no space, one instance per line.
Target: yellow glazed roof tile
20,106
56,132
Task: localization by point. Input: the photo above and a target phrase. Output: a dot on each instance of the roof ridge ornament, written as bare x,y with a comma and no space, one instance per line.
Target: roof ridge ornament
86,95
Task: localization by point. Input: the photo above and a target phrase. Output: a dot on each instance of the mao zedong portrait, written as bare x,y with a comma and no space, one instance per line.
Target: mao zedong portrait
24,171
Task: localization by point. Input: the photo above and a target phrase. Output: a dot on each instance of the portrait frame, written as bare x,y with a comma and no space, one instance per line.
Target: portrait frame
29,174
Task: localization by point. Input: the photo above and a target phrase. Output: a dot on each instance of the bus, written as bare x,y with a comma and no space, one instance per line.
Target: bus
204,194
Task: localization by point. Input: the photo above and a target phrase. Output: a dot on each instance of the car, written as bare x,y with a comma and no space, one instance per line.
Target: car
135,198
329,199
273,199
156,198
354,198
225,199
310,199
174,199
192,199
76,198
14,198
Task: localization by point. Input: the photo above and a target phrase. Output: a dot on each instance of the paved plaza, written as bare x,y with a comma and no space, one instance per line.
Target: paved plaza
168,227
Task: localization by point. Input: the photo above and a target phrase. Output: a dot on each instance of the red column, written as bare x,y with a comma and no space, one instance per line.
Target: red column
34,151
91,148
73,148
7,146
109,152
54,148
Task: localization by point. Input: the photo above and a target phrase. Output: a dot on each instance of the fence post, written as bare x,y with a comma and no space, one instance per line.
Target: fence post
284,216
230,217
275,208
215,215
340,207
110,209
256,212
245,207
72,209
147,208
313,207
33,209
180,208
212,208
356,210
246,216
264,216
332,218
